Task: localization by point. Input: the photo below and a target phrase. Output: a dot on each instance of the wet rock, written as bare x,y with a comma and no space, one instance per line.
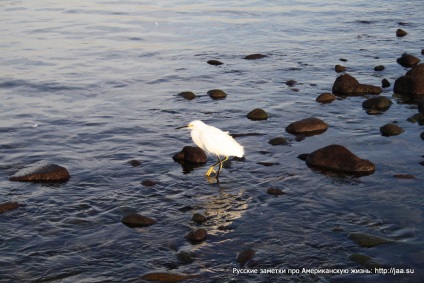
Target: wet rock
385,83
185,257
339,68
291,82
167,277
326,98
267,164
42,172
275,191
134,163
278,141
401,33
346,85
418,117
149,183
308,126
303,156
379,68
380,103
215,62
191,154
374,112
8,206
199,218
390,130
421,106
338,158
255,56
217,94
407,60
404,176
367,240
186,208
197,236
422,51
187,95
365,261
257,114
245,255
136,220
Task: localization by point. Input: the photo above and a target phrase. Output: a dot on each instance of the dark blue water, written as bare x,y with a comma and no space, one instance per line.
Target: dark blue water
91,86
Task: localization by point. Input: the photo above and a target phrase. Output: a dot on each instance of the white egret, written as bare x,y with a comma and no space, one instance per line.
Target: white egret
214,141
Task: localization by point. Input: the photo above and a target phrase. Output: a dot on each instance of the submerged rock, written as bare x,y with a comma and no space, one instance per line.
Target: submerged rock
385,83
365,261
338,158
197,236
42,172
187,95
257,114
339,68
245,256
199,218
275,191
137,220
255,56
167,277
379,68
407,60
401,33
379,103
326,98
348,85
308,126
8,206
217,94
278,141
412,83
391,130
367,240
214,62
191,154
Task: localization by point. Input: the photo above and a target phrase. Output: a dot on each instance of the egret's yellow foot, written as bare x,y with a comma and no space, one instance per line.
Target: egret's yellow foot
209,172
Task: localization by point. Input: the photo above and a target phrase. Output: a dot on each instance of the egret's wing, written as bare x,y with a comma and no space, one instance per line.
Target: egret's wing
220,143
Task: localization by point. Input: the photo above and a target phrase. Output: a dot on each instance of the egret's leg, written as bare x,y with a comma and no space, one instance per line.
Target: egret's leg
209,172
220,165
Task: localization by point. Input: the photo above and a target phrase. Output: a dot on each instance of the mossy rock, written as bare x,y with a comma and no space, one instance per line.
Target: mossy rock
257,114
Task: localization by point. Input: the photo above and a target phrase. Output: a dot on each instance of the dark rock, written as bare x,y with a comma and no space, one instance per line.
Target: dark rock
343,60
348,85
197,236
422,51
149,183
291,82
407,60
167,277
185,257
8,206
390,130
134,163
366,240
385,83
308,126
186,208
365,261
137,220
257,114
379,103
303,156
191,154
267,164
217,94
245,256
299,137
338,158
254,56
199,218
379,68
404,176
275,191
278,141
187,95
339,68
418,117
421,106
422,136
326,98
401,33
42,172
215,62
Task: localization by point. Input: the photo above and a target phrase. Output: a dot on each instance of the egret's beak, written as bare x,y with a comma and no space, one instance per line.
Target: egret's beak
182,127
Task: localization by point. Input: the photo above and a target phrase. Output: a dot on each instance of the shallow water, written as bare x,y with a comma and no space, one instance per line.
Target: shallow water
93,86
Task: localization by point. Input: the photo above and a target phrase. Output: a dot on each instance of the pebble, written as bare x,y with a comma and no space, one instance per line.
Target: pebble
278,141
187,95
391,130
245,255
136,220
257,114
275,191
326,98
198,235
214,62
255,56
42,171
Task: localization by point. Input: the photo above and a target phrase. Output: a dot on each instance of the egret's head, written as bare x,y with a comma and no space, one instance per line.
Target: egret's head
193,124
